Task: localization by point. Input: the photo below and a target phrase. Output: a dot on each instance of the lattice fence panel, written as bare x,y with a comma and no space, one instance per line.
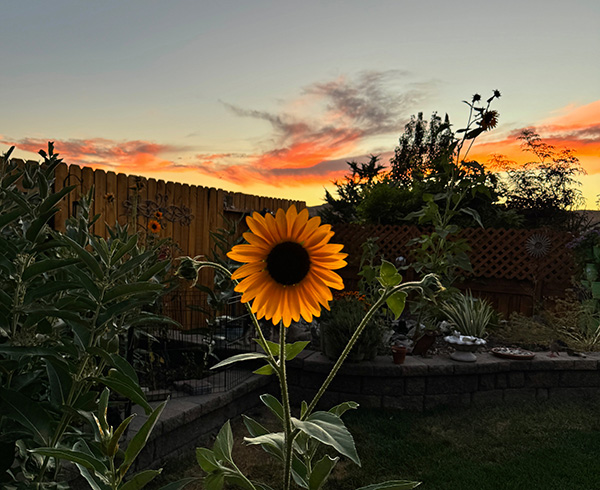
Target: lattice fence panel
532,255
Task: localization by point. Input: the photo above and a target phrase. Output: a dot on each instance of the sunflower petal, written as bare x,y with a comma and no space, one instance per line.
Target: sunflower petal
248,269
246,253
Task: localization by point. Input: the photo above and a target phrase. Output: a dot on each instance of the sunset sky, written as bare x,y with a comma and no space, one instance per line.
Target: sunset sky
273,97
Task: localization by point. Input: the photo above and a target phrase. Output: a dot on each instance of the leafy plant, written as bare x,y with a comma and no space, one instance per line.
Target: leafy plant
338,325
101,462
470,316
66,300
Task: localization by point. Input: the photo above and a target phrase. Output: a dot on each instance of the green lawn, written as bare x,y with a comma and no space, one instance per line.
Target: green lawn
545,446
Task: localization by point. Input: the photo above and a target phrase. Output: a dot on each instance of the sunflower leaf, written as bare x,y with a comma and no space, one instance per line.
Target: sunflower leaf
240,357
265,370
389,276
396,303
329,429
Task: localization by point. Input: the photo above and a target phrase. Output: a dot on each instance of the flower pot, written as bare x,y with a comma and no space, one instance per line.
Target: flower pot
399,354
464,347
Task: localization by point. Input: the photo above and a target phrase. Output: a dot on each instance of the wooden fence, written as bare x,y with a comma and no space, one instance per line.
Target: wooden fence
514,269
188,214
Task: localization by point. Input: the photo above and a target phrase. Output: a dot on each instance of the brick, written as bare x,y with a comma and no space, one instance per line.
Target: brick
414,386
446,400
516,379
585,393
491,397
487,382
451,384
502,380
580,378
383,386
413,403
541,379
438,365
414,366
346,384
519,395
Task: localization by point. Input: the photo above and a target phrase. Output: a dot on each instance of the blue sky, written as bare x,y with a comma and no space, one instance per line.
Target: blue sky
273,97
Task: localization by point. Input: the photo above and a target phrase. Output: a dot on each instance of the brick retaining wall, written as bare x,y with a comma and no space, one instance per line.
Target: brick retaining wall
418,384
424,383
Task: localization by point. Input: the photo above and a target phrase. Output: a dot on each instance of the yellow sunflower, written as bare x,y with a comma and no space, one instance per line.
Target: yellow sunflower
288,266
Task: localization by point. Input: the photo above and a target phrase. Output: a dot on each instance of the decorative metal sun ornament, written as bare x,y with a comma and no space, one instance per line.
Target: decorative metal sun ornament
538,245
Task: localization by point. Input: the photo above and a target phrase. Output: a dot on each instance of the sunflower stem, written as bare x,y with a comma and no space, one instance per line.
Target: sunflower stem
407,286
287,415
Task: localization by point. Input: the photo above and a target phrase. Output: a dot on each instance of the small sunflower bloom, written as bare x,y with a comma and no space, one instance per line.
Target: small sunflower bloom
288,266
154,226
489,120
158,215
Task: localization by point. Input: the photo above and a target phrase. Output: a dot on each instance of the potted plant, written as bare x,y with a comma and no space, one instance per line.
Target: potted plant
469,317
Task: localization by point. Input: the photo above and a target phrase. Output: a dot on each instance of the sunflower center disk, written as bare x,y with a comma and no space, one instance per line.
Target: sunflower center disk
288,263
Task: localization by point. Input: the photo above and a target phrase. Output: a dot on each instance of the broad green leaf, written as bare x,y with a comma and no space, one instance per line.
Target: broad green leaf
85,256
224,443
155,269
396,303
214,481
135,288
127,387
20,408
33,232
7,218
342,408
60,380
320,472
116,361
265,370
123,249
292,350
274,404
179,484
240,357
103,410
46,265
392,485
388,275
271,442
74,456
138,441
206,459
140,480
254,428
474,214
113,445
54,198
329,429
272,445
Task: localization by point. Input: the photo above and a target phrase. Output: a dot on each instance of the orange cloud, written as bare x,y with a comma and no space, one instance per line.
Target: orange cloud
576,128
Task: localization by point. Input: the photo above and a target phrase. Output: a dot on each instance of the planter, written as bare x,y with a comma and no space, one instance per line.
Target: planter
399,354
464,347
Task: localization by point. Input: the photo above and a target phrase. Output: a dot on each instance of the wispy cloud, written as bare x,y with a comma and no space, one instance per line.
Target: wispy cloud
331,121
123,156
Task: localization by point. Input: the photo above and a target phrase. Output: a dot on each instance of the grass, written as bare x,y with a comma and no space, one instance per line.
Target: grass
544,446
